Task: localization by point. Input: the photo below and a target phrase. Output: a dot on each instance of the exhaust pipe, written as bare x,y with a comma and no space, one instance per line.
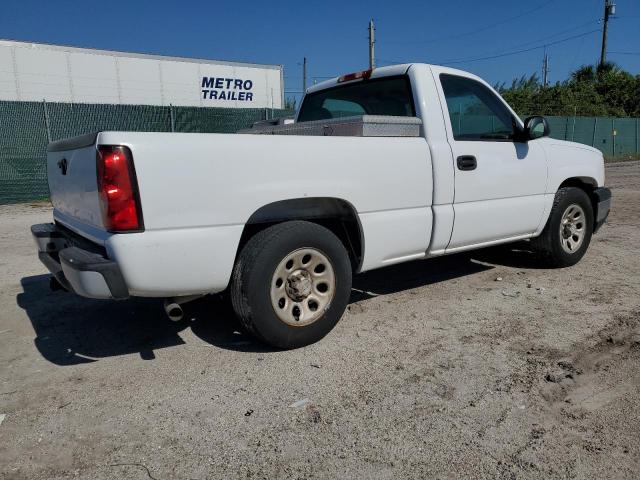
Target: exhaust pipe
173,306
173,310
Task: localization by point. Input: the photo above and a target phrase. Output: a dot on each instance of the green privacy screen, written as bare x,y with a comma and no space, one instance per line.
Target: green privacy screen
612,136
27,127
23,140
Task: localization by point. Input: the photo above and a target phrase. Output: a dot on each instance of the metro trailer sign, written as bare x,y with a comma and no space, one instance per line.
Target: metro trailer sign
218,88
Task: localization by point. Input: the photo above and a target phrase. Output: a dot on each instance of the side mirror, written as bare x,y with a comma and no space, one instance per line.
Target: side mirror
536,127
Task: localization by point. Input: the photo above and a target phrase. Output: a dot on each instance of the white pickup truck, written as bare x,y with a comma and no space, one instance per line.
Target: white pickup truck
410,162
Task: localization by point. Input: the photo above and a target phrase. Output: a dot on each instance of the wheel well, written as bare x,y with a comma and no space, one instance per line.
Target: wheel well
587,184
335,214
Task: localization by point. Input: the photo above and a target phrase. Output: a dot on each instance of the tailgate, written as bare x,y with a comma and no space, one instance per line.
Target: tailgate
72,175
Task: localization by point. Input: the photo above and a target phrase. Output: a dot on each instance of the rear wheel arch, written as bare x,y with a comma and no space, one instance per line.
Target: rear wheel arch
336,214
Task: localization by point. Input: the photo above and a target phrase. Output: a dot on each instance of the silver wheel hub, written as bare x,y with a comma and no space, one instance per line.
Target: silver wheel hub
299,285
572,228
302,287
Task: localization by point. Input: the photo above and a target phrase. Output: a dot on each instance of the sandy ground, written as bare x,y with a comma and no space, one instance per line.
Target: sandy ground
437,370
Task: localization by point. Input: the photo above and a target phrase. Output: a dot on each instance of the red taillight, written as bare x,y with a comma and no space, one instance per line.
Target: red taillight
118,190
355,76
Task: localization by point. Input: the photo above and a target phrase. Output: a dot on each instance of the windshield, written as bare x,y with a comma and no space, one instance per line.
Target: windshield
381,96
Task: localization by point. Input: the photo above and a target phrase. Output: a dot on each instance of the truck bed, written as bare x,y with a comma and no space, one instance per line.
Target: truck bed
197,191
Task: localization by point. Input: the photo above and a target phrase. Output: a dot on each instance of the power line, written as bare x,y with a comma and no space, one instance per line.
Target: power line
557,34
504,54
520,45
479,30
553,35
624,53
507,54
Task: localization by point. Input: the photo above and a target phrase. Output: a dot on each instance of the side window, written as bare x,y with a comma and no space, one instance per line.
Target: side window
475,111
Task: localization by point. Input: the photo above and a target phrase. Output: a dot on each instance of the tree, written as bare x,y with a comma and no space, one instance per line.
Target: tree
605,90
585,74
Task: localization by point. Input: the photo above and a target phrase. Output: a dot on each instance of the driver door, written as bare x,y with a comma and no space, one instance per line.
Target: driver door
499,183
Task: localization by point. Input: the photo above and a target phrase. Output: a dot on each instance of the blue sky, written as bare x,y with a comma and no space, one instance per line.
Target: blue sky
333,34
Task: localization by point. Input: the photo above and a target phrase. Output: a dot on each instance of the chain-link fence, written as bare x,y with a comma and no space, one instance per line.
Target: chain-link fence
27,127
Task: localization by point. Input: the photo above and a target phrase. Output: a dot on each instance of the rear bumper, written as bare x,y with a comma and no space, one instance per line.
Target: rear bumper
603,206
85,272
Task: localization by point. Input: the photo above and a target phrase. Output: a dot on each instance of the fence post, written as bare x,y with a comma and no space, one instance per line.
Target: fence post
46,119
573,130
173,118
613,134
637,135
593,139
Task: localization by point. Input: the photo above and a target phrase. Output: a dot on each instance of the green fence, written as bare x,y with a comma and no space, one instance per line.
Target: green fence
612,136
27,127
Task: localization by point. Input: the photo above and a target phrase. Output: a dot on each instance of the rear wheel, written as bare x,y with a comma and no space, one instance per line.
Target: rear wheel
567,234
291,284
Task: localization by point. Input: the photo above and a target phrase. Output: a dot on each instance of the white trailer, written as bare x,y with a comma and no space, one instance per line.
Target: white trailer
36,72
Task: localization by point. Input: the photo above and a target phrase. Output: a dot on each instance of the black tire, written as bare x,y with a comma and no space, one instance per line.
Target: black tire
549,244
253,274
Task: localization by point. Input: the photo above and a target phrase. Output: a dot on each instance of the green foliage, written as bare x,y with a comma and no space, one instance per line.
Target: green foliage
605,90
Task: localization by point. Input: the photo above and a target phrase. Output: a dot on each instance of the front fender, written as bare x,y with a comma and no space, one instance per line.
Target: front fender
569,160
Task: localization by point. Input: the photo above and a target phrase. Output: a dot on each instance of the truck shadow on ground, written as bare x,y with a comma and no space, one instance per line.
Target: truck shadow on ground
71,330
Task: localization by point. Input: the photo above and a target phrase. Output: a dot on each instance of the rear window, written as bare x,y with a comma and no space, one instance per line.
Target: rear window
381,96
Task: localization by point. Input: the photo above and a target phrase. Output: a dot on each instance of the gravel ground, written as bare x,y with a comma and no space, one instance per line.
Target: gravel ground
438,369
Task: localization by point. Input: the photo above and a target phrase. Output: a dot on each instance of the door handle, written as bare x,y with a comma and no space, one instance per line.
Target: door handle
467,162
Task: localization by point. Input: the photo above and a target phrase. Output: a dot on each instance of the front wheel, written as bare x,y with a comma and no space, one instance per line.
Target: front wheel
567,234
291,284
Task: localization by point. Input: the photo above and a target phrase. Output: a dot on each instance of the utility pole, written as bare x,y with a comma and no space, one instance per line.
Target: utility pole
545,70
372,42
609,9
304,75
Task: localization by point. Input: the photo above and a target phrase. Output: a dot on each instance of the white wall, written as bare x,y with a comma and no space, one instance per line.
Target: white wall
33,72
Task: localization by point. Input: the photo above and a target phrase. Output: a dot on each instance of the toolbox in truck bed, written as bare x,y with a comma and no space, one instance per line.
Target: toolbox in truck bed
356,126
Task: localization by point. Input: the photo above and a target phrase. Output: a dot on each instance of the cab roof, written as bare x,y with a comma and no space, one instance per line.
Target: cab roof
388,71
379,72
